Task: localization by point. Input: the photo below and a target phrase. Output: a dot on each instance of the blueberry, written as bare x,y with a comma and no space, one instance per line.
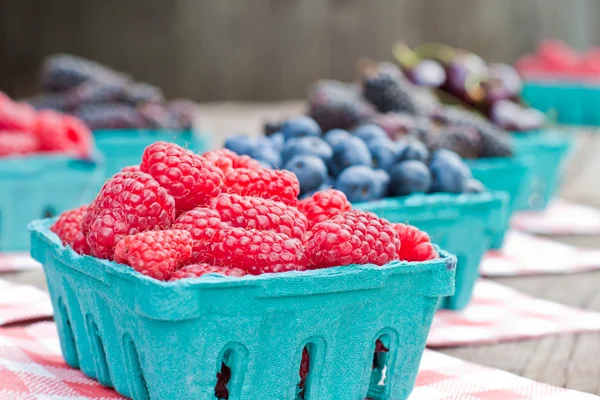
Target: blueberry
310,170
408,177
307,145
359,183
335,136
383,153
276,140
368,132
413,151
268,154
240,144
450,174
474,186
383,179
348,153
300,127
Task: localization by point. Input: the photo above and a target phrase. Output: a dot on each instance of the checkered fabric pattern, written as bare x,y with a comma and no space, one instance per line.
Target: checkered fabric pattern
13,261
498,314
525,254
31,367
22,303
560,218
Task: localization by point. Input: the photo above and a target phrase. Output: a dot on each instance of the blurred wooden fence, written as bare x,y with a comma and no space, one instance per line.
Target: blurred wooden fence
213,50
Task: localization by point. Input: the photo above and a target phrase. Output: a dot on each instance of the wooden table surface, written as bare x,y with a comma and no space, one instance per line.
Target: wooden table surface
570,361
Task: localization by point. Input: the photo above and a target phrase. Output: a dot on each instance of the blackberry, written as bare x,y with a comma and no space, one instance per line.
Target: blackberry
92,92
495,142
157,116
388,90
110,116
463,140
137,93
49,101
184,112
425,131
396,125
336,105
271,127
65,71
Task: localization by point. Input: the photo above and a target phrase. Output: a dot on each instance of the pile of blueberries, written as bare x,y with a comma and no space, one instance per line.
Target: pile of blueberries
364,163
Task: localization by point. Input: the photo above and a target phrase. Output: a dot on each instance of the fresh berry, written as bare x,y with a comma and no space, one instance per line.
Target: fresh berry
416,245
16,116
336,105
260,214
13,143
335,136
110,116
310,170
196,270
396,125
241,144
474,186
348,153
449,174
92,92
203,224
463,140
267,153
369,132
428,73
307,145
155,253
408,177
68,228
131,168
128,203
139,93
278,185
226,159
301,126
360,183
271,127
277,141
191,179
388,91
412,150
354,237
184,112
157,116
384,153
324,205
49,101
258,252
65,133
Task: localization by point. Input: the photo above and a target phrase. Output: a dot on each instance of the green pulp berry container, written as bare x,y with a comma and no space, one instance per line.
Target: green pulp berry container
575,103
168,340
506,174
547,151
124,147
465,225
42,185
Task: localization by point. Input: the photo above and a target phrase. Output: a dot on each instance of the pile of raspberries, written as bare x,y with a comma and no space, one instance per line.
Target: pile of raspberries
182,215
25,131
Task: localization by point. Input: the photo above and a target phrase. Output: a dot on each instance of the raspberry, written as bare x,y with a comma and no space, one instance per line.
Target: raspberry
261,214
64,133
128,203
257,252
196,270
16,116
226,159
203,224
278,185
416,245
191,179
68,228
17,143
131,168
324,205
354,237
155,253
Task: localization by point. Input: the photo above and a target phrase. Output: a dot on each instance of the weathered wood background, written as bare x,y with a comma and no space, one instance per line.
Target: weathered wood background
212,50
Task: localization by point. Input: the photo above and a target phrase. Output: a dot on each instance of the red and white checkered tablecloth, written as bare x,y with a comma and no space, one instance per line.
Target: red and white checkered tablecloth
31,367
499,314
525,254
17,261
22,303
560,218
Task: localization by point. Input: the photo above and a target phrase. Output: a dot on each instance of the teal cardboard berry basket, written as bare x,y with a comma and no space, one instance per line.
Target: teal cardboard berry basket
168,340
124,147
575,103
39,186
464,225
547,151
505,174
